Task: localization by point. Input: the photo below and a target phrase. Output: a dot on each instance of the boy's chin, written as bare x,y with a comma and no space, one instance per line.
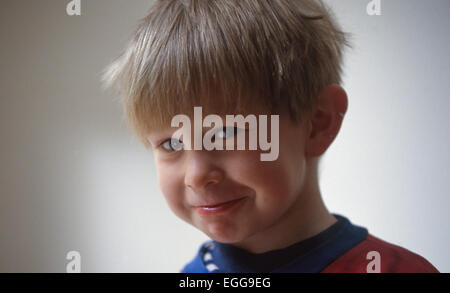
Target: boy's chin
223,235
226,240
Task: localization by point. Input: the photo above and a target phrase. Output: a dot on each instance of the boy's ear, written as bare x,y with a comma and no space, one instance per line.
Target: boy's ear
325,119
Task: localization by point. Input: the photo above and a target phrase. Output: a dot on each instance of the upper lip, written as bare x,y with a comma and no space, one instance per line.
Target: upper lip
217,204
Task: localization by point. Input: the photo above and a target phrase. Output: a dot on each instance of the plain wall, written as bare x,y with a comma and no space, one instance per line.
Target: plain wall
74,177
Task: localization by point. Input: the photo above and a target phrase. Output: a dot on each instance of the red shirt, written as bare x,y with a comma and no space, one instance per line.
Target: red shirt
392,259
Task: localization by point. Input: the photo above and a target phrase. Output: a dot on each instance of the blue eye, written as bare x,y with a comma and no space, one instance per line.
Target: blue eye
226,132
172,145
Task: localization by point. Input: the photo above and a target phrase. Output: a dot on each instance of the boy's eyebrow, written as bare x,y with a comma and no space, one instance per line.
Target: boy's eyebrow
157,136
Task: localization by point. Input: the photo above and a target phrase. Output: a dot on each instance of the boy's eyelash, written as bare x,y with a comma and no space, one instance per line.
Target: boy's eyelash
166,140
161,145
224,129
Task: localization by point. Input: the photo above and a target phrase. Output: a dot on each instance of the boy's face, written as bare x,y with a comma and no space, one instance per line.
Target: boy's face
253,195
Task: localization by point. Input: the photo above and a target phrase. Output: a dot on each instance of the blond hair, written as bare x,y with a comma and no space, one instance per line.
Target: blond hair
226,55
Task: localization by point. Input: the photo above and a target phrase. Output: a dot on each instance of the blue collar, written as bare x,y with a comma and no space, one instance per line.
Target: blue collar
311,255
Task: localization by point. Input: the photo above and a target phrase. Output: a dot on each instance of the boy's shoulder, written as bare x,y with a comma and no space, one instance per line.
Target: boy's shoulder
374,252
342,248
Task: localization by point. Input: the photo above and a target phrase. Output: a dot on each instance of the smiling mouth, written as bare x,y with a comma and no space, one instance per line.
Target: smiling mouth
219,208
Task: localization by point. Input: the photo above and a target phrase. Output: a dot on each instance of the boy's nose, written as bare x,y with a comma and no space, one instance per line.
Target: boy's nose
201,170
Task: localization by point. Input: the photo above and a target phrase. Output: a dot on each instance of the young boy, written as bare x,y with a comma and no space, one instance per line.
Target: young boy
277,58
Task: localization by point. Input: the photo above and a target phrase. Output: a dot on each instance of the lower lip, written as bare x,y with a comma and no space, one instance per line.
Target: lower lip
226,207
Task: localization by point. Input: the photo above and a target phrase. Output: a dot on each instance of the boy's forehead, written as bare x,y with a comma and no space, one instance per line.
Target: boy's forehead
198,115
161,120
220,103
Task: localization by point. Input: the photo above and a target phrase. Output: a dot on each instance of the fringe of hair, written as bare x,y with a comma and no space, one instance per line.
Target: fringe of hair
228,56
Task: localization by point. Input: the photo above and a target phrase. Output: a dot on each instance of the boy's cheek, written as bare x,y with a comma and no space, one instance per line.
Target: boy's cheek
272,182
174,195
170,183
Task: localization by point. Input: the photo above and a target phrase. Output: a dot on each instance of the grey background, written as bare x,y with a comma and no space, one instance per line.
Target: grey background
73,177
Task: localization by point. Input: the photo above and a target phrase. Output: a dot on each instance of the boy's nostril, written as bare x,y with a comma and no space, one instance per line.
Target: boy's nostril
199,181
